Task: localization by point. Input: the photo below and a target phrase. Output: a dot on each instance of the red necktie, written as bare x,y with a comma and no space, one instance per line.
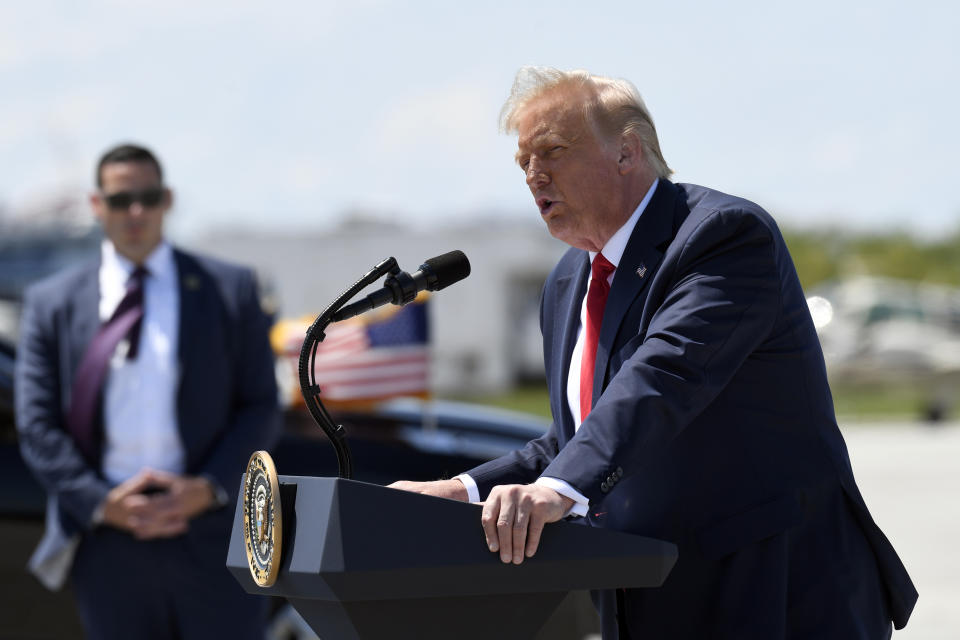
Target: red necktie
88,380
596,301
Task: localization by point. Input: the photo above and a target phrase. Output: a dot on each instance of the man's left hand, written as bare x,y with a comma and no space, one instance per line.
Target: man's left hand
514,516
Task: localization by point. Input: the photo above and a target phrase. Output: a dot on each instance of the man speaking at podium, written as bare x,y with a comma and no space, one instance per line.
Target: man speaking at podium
688,391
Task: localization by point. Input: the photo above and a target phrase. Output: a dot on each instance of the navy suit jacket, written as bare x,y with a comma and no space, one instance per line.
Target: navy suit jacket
713,428
226,402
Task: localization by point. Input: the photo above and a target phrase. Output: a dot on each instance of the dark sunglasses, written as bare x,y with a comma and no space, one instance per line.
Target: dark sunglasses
123,199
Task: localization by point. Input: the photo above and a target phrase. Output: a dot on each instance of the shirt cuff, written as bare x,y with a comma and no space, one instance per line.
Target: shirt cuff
473,493
580,502
96,519
220,497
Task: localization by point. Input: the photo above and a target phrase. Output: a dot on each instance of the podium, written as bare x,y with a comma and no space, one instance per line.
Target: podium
361,561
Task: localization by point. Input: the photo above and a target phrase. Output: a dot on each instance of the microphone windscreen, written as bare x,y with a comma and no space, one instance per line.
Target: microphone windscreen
449,268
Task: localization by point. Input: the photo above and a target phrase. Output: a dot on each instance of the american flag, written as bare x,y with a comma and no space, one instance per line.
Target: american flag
367,359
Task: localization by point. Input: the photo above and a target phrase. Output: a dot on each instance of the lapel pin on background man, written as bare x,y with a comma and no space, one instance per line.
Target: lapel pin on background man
688,391
143,382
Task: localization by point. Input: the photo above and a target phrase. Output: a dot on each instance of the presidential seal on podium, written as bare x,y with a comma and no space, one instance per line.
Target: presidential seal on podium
262,519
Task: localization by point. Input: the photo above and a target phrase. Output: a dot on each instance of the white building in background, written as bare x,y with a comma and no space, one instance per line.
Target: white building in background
485,330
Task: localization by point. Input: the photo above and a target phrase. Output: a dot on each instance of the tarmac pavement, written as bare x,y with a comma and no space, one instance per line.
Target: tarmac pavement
909,475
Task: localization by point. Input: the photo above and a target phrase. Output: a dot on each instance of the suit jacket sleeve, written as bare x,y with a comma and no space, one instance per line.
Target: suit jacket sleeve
45,445
255,421
522,466
722,302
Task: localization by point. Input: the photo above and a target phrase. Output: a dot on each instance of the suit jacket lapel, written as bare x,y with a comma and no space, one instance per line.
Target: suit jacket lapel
637,266
570,291
190,287
81,324
84,320
194,294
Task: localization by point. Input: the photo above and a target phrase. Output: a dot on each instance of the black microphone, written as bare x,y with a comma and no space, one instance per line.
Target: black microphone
434,274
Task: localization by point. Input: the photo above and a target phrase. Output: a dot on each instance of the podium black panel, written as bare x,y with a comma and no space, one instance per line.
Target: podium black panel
364,561
474,618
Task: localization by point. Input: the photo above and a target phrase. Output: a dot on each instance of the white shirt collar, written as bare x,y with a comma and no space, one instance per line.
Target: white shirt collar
617,244
116,267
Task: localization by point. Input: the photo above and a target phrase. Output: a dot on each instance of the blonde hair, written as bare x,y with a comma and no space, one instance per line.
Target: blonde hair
614,106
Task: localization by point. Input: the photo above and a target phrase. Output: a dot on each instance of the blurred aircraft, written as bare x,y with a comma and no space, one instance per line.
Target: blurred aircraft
892,332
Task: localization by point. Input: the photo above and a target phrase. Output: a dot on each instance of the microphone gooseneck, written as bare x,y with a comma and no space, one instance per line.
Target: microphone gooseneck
399,288
307,371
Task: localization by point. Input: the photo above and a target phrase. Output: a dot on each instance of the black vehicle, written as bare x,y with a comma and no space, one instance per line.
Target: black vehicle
401,439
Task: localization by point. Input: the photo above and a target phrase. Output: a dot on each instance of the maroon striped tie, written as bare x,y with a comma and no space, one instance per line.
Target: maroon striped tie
88,379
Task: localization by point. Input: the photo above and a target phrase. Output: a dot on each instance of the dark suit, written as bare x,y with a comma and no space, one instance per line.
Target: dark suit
713,427
226,409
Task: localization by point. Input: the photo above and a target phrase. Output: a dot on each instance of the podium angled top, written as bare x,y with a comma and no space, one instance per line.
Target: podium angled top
351,540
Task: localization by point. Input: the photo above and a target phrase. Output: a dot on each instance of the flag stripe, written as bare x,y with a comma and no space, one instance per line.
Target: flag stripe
373,358
385,372
371,390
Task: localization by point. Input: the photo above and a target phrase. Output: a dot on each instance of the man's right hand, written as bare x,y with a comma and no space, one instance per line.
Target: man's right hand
452,489
127,507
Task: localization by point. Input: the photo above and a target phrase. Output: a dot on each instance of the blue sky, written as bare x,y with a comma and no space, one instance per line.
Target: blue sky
286,115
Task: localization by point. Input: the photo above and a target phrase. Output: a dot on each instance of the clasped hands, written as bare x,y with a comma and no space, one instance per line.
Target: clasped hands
513,515
157,504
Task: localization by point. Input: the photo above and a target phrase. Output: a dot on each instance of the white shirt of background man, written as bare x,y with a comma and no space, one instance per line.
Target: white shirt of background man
140,396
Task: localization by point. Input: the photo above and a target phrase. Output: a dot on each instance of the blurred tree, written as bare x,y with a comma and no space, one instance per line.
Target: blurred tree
816,254
827,254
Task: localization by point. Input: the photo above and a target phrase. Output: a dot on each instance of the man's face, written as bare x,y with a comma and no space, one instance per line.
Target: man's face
571,171
131,205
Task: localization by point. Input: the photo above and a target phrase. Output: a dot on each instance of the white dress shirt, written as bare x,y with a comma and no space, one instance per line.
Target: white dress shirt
140,396
612,251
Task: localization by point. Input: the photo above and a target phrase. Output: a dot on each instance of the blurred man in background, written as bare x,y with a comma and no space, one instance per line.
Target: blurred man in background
688,391
143,383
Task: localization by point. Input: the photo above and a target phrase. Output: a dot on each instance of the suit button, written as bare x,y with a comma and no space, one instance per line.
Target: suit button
619,472
604,486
